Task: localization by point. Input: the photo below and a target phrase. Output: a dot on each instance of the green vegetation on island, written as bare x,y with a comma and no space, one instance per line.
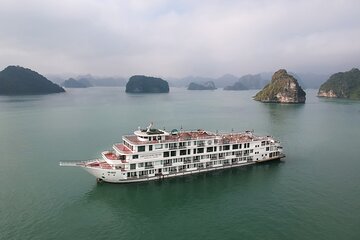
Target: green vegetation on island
16,80
283,88
144,84
210,85
342,85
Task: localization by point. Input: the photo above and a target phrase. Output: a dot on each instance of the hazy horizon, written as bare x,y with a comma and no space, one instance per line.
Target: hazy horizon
178,39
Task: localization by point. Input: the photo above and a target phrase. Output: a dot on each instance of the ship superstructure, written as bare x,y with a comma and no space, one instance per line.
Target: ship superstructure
152,153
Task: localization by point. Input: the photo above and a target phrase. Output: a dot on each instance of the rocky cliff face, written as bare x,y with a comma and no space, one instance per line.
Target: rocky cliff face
342,85
283,88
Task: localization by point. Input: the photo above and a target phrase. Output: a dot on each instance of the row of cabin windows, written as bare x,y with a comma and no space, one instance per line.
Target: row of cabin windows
183,144
188,159
201,150
192,164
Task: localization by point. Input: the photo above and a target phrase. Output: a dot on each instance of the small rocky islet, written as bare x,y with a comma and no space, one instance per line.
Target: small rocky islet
209,85
73,83
16,80
342,85
145,84
283,88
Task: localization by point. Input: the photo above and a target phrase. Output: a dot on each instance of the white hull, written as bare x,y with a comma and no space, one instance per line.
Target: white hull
116,176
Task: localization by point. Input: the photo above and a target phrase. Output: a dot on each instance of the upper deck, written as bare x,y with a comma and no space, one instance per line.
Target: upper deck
183,136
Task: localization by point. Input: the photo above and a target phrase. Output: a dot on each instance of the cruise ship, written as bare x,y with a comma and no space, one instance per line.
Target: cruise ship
152,153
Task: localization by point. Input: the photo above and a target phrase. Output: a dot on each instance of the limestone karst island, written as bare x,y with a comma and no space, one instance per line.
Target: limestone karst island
283,88
342,85
73,83
16,80
209,85
144,84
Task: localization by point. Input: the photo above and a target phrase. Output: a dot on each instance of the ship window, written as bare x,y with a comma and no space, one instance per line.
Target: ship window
189,151
158,146
140,165
182,152
135,156
166,154
235,146
226,147
132,166
194,151
166,145
173,153
267,148
239,146
200,150
263,143
141,148
209,149
150,147
214,149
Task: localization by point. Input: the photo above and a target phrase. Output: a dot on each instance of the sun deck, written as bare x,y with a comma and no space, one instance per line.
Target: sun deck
197,135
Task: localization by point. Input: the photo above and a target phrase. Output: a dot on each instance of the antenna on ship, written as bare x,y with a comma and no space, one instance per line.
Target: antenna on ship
149,127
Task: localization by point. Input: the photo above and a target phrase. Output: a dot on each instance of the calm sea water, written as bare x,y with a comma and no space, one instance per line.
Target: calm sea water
313,194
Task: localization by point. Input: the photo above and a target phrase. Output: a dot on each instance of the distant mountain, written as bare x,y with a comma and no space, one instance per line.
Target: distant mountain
236,87
102,81
225,80
311,80
342,85
72,83
248,81
16,80
220,82
85,82
145,84
209,85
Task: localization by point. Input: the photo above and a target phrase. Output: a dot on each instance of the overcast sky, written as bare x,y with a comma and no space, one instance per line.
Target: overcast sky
180,38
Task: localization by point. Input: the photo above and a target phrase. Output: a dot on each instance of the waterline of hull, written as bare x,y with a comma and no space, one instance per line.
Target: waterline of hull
112,178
